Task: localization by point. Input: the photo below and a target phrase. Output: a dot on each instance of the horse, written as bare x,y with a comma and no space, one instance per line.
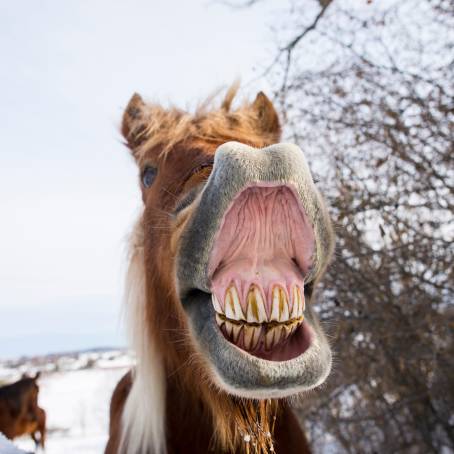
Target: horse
19,410
224,261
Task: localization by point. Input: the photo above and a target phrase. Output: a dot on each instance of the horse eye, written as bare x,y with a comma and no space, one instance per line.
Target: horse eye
148,176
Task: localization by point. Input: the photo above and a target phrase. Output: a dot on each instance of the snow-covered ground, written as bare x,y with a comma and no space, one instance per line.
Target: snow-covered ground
75,392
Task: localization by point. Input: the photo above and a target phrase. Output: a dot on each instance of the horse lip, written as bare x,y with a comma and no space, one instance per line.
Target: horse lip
246,375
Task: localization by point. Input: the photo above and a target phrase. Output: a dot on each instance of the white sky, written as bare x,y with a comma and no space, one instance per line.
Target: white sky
68,189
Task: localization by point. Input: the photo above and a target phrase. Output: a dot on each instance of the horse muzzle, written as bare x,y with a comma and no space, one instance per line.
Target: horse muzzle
258,236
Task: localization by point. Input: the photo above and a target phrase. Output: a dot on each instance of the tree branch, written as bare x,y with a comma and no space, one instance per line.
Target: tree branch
308,29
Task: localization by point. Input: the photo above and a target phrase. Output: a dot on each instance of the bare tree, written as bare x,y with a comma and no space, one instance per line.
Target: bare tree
367,89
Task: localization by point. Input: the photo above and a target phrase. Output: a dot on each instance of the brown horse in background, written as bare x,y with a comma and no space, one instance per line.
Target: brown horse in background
225,257
19,410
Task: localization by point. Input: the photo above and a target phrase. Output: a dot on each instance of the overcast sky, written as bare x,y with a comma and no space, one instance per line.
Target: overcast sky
68,189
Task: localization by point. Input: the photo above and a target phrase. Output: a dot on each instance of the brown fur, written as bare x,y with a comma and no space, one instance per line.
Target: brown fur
19,410
190,428
200,417
149,126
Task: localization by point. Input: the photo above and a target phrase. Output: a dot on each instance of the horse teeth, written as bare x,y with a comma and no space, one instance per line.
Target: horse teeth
251,336
293,328
270,338
257,333
259,330
280,334
233,309
298,303
301,303
228,328
275,304
287,331
248,334
279,305
294,312
283,306
216,304
228,305
256,312
236,302
236,329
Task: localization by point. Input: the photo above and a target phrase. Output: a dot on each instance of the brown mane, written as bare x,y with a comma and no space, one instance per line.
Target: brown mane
153,126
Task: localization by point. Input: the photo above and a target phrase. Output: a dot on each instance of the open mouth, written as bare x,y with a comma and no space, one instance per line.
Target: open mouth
260,257
257,240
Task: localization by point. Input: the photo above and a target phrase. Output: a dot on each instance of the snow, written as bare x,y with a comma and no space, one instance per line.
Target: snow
76,400
6,447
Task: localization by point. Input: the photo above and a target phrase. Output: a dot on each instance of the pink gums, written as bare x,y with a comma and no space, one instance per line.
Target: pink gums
265,239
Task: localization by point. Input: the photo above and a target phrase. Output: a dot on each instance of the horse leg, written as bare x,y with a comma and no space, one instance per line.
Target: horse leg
33,435
42,427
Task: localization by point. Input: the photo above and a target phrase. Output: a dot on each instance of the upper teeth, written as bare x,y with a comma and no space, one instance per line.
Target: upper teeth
256,312
232,304
281,309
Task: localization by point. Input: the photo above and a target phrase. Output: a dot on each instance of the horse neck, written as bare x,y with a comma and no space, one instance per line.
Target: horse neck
189,425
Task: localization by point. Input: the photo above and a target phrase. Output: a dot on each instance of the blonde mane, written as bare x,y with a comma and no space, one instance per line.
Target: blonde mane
143,419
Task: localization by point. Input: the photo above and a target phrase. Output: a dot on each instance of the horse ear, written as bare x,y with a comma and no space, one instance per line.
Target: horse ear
37,375
266,115
133,124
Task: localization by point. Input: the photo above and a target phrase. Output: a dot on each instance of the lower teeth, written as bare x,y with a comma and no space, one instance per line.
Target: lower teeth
252,337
